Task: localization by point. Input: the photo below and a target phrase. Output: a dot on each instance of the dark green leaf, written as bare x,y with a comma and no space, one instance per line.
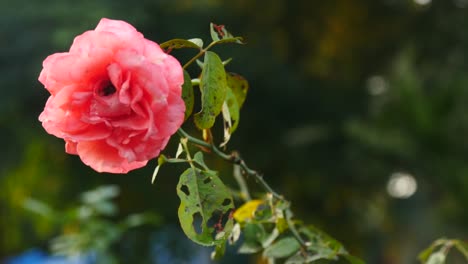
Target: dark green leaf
178,44
213,87
187,94
239,87
238,40
282,248
205,204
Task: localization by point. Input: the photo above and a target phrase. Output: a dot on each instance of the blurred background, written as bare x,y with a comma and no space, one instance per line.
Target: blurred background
357,112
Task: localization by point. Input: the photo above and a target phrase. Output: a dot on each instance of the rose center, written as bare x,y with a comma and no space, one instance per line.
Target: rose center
107,90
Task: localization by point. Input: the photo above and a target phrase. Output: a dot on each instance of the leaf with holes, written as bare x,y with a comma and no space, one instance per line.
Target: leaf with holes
187,94
205,207
213,86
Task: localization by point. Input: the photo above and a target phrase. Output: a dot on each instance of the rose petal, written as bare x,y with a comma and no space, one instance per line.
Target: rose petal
104,158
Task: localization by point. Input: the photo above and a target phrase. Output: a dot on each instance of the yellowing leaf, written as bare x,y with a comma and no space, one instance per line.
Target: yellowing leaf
246,211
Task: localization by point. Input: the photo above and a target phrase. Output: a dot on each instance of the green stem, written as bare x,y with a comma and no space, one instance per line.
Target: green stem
202,51
234,158
244,190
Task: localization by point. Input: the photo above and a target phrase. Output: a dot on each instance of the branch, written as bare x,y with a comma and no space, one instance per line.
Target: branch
236,159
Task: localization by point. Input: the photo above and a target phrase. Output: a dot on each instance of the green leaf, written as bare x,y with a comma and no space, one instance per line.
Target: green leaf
237,40
197,41
187,94
299,258
213,87
179,44
436,258
462,247
205,204
282,248
239,86
38,207
233,107
198,158
424,255
218,253
213,33
253,234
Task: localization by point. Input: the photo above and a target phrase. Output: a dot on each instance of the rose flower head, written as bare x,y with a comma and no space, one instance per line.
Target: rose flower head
115,97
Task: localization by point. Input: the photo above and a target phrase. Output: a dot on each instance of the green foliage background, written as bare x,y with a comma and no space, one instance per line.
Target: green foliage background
312,121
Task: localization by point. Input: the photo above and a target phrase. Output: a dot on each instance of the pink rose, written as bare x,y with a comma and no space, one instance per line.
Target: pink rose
115,97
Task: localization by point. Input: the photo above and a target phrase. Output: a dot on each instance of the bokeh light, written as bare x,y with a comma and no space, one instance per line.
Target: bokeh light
401,185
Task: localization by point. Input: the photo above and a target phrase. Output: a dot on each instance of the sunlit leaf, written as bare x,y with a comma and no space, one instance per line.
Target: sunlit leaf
187,94
179,44
213,86
282,248
436,258
205,207
197,41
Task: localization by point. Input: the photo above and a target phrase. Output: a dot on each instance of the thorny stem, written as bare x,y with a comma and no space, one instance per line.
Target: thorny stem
235,159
